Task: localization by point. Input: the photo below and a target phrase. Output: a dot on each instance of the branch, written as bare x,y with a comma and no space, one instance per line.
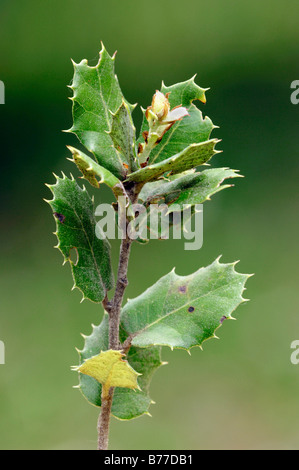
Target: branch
113,308
121,284
104,418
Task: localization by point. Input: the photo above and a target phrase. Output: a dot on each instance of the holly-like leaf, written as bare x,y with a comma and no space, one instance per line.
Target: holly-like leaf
184,311
178,192
127,403
189,189
110,369
191,129
92,171
149,190
96,93
123,135
74,213
190,157
96,174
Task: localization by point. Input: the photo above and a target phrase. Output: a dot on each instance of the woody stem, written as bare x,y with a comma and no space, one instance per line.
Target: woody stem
113,309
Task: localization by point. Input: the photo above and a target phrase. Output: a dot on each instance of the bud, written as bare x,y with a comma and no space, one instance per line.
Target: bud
160,105
160,119
160,111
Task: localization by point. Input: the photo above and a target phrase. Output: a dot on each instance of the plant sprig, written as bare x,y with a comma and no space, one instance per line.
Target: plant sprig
160,166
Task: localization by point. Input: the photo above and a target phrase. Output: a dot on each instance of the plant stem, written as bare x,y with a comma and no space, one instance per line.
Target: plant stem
121,284
113,308
104,419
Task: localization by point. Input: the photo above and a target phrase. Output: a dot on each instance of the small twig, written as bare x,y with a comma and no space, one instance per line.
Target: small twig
121,284
113,308
127,343
107,304
104,418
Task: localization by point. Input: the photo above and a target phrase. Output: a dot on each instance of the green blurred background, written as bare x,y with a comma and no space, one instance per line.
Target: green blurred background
241,392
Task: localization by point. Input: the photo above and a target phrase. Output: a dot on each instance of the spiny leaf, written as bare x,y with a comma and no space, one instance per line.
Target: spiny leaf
150,192
110,369
96,174
97,94
189,189
184,311
123,135
190,157
191,129
74,213
127,403
185,92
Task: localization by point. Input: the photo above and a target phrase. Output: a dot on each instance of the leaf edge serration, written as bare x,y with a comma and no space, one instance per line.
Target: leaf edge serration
241,299
68,258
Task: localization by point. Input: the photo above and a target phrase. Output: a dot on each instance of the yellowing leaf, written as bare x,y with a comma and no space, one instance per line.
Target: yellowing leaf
109,369
127,403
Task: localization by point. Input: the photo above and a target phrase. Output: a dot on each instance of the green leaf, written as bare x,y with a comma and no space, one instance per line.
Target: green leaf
190,157
92,170
127,404
74,213
189,189
184,311
123,135
153,188
96,93
179,192
96,174
192,129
